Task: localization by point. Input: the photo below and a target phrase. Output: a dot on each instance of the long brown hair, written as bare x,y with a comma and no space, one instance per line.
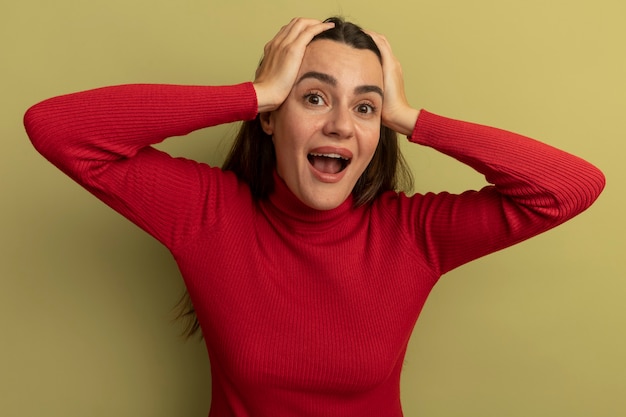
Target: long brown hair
253,160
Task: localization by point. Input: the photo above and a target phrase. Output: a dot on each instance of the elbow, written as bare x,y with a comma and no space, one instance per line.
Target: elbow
600,182
583,192
45,129
592,185
35,123
596,184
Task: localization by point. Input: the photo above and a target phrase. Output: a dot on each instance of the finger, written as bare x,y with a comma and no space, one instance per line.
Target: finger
291,30
296,35
382,43
300,31
285,30
291,41
283,56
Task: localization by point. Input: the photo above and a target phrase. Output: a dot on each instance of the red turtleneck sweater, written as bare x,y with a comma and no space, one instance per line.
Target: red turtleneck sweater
304,312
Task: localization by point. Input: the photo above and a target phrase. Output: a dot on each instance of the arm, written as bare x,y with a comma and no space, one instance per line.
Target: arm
535,186
101,138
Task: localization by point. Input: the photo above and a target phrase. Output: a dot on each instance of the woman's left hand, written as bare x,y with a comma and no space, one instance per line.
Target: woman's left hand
397,113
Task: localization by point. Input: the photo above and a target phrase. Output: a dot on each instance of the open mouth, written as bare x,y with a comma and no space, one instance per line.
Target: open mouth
328,163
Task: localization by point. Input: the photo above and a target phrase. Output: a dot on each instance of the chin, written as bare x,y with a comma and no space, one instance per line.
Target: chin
320,195
324,204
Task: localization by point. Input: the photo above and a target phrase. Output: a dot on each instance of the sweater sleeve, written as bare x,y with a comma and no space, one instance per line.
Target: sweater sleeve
533,188
102,139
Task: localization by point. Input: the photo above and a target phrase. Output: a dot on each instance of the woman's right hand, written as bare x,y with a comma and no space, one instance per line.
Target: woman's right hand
281,62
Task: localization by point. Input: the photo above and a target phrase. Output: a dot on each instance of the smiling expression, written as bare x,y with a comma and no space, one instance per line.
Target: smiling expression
327,130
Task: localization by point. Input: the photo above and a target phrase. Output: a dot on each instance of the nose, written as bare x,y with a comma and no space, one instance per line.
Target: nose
339,123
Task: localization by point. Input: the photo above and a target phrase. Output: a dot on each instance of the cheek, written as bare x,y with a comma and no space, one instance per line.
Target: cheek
371,139
288,147
294,134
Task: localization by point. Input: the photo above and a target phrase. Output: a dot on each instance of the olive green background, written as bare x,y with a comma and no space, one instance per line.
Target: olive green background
86,298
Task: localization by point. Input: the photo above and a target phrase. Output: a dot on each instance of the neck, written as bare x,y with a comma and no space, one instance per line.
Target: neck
285,205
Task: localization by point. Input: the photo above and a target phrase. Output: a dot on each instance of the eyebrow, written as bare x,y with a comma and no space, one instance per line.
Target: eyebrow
332,81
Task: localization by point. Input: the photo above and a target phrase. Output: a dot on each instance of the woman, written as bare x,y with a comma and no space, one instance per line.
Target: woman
306,269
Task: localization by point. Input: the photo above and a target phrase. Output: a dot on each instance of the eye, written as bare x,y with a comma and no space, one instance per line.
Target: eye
314,99
365,108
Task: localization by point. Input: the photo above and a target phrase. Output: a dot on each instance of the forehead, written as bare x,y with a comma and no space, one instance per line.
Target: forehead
347,64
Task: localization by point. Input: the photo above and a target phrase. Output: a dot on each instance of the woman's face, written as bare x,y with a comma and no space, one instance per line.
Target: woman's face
327,130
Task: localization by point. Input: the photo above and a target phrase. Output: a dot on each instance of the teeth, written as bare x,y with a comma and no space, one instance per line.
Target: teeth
329,155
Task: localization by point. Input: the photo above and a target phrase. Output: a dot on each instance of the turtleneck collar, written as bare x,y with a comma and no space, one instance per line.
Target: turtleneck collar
284,204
